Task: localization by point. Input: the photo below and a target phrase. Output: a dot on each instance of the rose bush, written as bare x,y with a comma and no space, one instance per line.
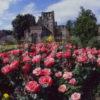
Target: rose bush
45,70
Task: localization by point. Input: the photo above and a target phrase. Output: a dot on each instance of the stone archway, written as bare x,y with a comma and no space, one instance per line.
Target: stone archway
34,37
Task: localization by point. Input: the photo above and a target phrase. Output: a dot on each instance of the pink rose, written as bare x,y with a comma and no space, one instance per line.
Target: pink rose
59,55
45,81
49,62
6,60
46,72
43,49
58,74
98,61
36,59
37,71
94,51
62,88
26,68
82,59
3,55
16,52
32,86
72,81
26,59
67,75
76,96
67,54
14,65
6,69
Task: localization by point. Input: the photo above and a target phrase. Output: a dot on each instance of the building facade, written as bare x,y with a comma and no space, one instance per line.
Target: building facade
46,26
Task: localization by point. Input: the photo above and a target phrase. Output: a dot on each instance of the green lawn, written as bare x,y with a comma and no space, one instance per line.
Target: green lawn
6,47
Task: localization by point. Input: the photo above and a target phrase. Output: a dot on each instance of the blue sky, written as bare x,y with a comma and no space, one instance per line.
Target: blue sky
64,9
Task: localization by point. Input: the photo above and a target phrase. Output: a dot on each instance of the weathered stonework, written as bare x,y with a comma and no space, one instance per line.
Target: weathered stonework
46,26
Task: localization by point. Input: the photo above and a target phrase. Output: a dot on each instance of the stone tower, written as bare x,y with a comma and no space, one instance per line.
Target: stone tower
48,20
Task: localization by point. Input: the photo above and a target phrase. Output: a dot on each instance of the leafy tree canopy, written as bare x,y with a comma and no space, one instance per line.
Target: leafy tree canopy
86,25
22,23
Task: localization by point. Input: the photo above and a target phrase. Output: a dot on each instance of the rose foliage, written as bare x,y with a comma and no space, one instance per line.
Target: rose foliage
42,71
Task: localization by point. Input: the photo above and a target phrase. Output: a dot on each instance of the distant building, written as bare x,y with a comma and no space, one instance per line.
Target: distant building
46,26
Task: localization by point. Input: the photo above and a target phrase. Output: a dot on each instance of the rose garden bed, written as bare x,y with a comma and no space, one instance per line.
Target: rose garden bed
48,71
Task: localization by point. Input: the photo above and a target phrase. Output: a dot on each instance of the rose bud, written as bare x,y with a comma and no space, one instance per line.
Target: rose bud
76,96
32,86
62,88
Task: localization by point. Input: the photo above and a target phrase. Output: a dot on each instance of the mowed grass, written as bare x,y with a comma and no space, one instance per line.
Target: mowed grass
7,47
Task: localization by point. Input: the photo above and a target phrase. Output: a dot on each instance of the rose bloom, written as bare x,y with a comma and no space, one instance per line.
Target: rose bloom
43,49
14,65
49,62
98,61
72,81
31,54
36,59
94,51
67,75
59,55
67,54
26,68
16,52
3,55
45,81
91,57
58,74
37,71
76,96
82,59
6,69
62,88
32,86
26,59
46,72
6,60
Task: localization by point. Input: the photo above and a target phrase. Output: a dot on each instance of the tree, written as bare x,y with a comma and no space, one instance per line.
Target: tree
7,32
86,25
22,23
70,26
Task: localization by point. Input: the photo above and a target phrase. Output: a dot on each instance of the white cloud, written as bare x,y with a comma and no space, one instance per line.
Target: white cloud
69,9
5,4
5,15
31,9
6,19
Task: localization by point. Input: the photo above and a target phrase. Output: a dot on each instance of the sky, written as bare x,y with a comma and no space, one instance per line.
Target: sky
64,9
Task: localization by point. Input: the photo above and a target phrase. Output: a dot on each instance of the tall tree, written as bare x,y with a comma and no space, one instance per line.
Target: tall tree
86,25
70,26
22,23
